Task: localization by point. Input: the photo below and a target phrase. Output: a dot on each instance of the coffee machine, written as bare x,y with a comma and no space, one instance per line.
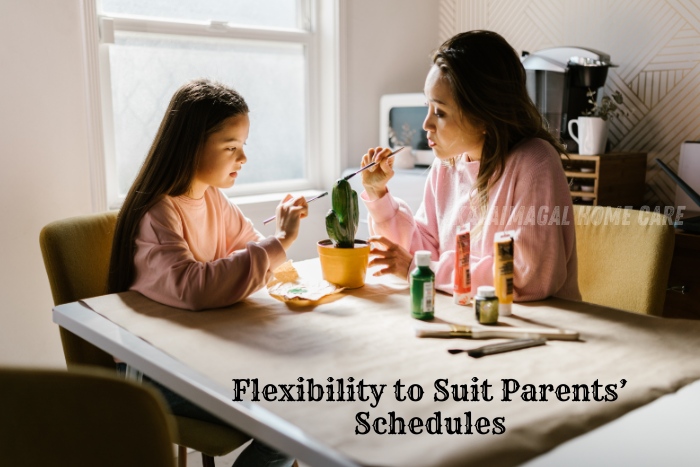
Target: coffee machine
558,80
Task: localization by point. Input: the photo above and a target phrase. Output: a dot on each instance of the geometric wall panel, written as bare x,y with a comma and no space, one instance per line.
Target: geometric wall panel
655,43
668,66
447,24
652,86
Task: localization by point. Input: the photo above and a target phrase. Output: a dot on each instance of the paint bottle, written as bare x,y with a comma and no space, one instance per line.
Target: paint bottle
503,252
422,287
462,276
486,305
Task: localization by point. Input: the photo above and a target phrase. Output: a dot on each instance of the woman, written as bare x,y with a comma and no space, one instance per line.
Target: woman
497,168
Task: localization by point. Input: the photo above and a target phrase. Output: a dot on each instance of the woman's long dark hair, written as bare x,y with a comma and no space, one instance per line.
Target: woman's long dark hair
488,84
196,110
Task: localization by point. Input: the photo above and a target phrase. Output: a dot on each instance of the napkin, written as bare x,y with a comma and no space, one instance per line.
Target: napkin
287,286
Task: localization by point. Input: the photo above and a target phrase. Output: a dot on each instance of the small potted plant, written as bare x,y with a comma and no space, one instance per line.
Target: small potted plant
608,108
592,134
343,259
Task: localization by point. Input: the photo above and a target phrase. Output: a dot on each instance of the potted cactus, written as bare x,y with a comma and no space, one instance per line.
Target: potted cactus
343,259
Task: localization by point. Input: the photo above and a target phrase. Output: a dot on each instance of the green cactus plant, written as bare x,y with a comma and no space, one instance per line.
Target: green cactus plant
344,216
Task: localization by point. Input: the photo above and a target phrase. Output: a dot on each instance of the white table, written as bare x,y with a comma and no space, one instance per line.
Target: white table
186,381
662,432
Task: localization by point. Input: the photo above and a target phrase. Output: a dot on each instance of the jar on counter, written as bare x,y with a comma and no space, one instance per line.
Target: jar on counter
486,305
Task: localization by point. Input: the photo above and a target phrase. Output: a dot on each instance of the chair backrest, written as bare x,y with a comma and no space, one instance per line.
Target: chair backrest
624,257
80,418
76,255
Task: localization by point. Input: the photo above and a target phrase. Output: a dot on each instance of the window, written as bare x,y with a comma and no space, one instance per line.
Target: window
268,50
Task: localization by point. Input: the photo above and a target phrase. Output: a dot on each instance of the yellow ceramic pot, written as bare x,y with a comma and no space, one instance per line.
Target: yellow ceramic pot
345,267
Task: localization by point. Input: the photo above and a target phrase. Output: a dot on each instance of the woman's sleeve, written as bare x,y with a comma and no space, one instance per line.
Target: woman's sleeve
167,272
392,218
543,233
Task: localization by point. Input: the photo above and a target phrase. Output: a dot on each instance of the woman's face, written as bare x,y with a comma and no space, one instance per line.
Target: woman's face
449,132
222,156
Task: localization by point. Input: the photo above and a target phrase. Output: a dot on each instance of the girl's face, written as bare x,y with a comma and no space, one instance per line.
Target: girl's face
222,156
449,132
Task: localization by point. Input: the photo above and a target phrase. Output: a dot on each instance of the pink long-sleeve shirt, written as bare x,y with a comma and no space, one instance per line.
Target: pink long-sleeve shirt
531,198
202,253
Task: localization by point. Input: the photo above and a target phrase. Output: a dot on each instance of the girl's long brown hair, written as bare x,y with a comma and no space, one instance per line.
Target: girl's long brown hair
488,84
196,110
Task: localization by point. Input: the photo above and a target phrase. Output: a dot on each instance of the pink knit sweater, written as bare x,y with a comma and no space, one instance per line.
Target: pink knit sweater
203,253
531,198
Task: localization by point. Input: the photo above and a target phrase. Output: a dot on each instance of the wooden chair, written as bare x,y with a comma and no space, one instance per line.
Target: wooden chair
82,418
76,255
624,257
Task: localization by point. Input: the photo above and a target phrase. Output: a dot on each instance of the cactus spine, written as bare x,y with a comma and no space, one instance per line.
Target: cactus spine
342,220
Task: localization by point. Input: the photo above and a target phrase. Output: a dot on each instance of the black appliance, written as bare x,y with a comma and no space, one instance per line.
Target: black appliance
558,81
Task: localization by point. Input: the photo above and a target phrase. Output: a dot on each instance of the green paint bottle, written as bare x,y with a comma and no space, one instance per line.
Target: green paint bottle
422,287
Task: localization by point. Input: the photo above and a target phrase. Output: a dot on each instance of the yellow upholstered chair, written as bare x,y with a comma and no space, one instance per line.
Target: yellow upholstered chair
81,418
624,257
76,255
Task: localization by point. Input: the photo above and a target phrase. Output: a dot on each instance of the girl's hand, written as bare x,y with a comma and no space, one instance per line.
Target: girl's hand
375,178
395,259
289,212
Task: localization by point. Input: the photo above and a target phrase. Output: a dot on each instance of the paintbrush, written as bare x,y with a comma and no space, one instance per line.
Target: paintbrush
348,177
270,219
476,331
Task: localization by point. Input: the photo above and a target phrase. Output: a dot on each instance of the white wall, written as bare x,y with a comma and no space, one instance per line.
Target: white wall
43,164
389,43
44,173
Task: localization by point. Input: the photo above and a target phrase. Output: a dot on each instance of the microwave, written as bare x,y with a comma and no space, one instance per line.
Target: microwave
401,119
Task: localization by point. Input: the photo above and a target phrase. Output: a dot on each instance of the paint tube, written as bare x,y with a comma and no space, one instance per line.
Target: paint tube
462,275
503,249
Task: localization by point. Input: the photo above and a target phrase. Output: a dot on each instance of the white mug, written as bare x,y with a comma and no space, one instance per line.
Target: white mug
592,135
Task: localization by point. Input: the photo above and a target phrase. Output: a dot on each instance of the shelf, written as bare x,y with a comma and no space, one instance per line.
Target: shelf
580,174
582,194
617,178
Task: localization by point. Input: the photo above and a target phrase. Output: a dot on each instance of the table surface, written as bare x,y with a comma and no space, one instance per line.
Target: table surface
659,432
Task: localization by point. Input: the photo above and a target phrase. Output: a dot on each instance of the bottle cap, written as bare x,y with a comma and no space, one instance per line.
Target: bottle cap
486,291
422,258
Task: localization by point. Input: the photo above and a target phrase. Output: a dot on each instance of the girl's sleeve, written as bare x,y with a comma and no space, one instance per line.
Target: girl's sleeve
167,272
543,233
239,230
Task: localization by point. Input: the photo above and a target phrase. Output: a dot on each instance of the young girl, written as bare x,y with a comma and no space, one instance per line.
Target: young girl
497,168
179,241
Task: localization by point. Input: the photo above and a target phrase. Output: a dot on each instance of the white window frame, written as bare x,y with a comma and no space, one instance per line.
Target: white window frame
321,37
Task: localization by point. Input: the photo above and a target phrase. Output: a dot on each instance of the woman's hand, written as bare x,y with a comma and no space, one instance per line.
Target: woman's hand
289,213
375,178
395,259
